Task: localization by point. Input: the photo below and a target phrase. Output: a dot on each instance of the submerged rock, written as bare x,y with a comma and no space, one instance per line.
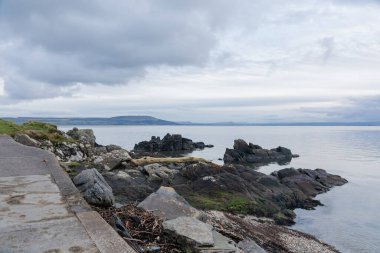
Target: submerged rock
94,188
170,143
243,152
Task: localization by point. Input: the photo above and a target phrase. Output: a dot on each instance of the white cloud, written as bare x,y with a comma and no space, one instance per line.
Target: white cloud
214,60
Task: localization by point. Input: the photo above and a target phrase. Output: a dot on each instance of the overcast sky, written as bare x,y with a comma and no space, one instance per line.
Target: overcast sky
196,60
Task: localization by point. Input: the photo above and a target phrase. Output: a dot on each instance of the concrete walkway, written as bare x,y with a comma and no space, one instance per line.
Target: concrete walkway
42,211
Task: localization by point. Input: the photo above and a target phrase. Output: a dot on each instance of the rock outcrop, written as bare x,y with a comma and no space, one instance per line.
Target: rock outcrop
94,188
243,152
83,135
26,140
170,143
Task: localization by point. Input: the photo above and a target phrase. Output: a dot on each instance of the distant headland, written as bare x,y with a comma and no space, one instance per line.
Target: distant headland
149,120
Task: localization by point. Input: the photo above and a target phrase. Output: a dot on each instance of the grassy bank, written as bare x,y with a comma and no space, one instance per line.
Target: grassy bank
37,130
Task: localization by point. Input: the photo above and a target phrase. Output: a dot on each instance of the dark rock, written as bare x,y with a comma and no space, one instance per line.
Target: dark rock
94,188
130,185
170,143
239,189
251,153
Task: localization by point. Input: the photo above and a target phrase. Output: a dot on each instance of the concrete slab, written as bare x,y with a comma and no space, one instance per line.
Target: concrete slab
55,236
28,184
28,199
21,166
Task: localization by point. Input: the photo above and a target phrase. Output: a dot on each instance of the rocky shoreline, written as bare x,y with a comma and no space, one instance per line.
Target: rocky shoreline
233,207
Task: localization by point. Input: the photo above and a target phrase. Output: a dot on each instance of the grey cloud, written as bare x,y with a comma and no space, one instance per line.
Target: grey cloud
58,43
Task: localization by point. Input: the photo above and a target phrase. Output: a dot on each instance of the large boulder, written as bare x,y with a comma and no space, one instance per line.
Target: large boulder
83,135
243,152
130,185
26,140
94,188
170,143
168,204
111,160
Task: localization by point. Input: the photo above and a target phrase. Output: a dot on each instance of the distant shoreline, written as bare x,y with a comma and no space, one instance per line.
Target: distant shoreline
152,121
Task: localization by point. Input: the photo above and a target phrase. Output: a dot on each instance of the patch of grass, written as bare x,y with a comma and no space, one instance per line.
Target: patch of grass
72,173
36,130
232,203
8,127
73,165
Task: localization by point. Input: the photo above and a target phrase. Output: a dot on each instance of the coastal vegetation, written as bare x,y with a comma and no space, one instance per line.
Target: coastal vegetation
36,130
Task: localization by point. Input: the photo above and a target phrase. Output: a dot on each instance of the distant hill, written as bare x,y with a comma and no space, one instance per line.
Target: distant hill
148,120
120,120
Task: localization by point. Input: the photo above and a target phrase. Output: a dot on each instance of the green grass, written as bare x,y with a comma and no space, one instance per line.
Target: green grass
36,130
231,202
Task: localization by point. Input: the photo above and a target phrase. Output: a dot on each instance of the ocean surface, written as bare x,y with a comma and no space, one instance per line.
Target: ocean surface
350,217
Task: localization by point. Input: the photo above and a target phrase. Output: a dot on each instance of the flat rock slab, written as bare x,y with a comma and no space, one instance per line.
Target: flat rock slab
192,230
222,244
168,204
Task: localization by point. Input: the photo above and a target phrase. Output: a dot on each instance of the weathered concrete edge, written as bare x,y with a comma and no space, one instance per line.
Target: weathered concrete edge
105,237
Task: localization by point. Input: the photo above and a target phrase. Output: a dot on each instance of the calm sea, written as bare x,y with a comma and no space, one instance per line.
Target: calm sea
350,217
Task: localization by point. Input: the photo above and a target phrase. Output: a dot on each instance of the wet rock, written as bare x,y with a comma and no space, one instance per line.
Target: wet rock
309,182
170,143
190,230
26,140
239,189
94,188
168,204
243,152
111,160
